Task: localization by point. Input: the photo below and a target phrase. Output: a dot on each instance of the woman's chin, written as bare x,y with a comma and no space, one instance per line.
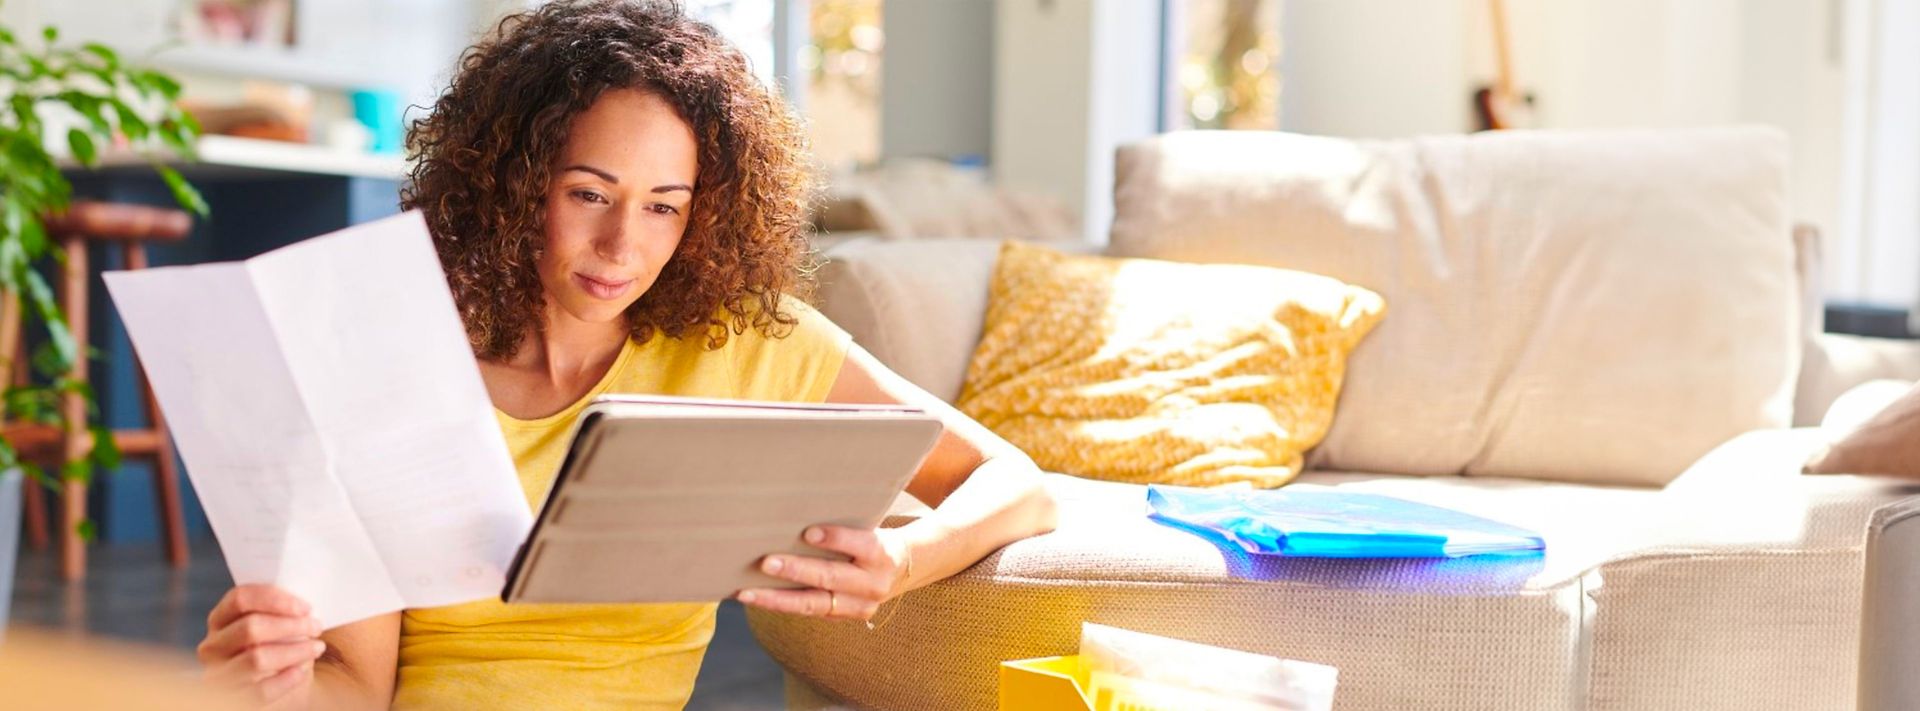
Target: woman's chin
593,310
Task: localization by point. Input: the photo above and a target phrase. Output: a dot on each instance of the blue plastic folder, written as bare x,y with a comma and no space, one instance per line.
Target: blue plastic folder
1334,524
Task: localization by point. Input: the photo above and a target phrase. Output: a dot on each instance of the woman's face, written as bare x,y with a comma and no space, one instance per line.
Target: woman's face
618,203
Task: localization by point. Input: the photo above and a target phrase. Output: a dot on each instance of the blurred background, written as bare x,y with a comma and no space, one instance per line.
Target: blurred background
1031,95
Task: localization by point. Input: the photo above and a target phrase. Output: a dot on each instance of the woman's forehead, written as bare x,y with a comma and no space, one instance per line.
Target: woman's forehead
633,135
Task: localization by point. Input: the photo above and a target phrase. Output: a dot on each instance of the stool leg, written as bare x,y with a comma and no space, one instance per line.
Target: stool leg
36,505
14,348
73,548
73,298
171,516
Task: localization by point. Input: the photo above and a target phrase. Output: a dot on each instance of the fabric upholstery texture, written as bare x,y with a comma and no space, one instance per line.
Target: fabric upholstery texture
1534,277
1887,443
1159,372
916,306
1836,362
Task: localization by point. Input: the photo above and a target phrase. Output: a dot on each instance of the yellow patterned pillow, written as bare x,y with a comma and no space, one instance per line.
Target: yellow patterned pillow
1142,371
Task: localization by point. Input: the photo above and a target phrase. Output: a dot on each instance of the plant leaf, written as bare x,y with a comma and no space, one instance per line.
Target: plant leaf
50,33
23,113
155,81
88,106
26,402
33,237
87,528
82,146
40,475
183,192
106,453
105,54
130,123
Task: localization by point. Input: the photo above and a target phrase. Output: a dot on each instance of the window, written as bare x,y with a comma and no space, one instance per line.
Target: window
842,64
829,68
1224,64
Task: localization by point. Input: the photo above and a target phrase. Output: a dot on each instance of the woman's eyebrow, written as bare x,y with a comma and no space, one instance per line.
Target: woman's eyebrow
604,175
673,187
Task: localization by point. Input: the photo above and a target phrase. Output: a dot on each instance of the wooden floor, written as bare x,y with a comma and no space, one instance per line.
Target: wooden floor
131,594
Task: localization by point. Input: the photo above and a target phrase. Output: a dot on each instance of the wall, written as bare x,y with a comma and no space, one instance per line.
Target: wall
1374,68
1386,68
1073,79
1043,52
936,81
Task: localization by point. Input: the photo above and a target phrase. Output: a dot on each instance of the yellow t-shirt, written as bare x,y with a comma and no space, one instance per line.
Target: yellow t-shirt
487,654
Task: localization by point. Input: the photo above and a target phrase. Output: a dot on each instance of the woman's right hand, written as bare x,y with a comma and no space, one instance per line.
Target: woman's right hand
261,640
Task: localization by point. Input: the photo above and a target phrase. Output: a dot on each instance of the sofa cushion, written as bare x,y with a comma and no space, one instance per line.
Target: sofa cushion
1145,371
1594,307
1887,442
1735,587
916,306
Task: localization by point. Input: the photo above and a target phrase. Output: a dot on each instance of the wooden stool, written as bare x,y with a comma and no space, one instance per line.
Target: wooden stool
132,227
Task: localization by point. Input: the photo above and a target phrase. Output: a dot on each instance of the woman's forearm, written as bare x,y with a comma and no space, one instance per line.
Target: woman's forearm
335,688
1002,501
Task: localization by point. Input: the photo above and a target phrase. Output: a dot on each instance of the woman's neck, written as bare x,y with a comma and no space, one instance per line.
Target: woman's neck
569,350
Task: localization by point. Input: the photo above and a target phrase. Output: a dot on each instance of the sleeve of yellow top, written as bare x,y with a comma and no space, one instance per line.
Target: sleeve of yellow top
798,366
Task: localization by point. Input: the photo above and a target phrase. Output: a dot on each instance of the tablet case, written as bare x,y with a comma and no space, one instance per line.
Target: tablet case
677,500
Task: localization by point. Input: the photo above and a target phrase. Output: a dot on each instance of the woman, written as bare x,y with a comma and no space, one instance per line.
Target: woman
620,207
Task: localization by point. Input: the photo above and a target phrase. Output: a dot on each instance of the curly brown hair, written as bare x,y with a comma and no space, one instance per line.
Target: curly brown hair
484,155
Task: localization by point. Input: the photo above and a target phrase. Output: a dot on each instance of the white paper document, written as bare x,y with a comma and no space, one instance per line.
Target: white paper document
333,420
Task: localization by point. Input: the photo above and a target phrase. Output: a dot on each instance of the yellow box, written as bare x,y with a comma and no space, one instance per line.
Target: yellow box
1044,684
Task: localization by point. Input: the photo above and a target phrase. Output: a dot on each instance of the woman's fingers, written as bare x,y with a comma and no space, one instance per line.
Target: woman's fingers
246,599
254,629
263,662
281,684
837,589
845,578
812,602
861,544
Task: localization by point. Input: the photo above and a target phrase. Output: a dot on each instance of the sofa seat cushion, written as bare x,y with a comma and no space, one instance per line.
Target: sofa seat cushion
1633,578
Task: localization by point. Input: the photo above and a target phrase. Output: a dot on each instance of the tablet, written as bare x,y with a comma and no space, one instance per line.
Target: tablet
665,499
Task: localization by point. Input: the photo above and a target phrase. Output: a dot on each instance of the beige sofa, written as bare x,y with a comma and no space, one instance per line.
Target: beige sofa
1599,336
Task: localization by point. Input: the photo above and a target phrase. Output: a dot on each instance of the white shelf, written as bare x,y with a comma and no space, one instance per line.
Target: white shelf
228,152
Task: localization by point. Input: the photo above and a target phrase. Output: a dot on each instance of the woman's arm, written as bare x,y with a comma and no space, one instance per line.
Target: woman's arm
985,492
261,640
358,669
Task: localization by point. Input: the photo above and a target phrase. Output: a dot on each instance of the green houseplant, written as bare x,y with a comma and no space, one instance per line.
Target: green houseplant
85,99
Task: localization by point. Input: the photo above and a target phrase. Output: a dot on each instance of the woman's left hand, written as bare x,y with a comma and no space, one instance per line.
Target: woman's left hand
846,590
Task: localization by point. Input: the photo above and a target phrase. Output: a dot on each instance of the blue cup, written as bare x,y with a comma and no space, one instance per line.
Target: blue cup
379,110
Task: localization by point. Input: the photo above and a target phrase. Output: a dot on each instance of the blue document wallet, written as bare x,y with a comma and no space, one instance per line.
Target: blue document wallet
1334,524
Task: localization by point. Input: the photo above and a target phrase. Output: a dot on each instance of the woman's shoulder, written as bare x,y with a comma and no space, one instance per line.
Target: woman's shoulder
798,352
794,358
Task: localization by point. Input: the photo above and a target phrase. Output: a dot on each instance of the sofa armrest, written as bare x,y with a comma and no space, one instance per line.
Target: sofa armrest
916,305
1890,613
1834,363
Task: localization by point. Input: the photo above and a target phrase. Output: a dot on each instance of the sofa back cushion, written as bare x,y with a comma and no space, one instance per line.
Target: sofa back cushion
1581,306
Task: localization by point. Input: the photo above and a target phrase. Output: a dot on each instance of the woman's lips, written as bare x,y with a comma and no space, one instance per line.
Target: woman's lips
602,289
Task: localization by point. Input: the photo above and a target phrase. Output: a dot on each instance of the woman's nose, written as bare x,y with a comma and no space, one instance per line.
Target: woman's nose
619,242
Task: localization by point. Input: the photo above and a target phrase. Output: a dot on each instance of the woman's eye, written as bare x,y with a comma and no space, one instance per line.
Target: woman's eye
665,209
589,196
